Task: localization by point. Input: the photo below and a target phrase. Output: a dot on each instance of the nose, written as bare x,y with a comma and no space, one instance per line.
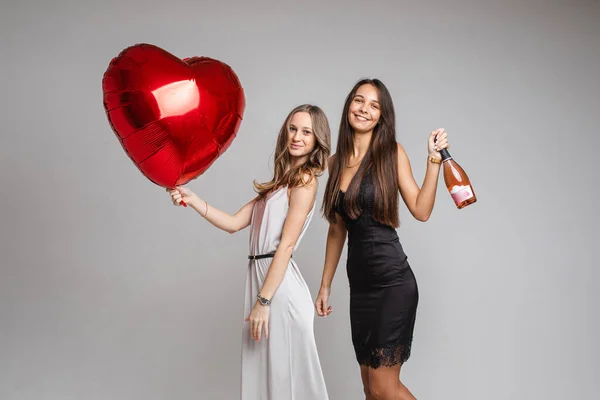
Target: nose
297,136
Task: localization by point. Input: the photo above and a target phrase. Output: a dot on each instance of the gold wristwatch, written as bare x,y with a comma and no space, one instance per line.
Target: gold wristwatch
435,160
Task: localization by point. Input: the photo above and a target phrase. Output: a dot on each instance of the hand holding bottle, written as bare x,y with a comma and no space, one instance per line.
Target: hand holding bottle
438,140
456,178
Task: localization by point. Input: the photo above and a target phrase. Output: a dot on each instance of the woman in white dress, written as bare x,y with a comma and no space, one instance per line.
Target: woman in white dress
279,353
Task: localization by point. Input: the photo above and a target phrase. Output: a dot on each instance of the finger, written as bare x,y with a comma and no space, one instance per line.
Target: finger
325,307
266,330
259,331
254,329
319,306
247,319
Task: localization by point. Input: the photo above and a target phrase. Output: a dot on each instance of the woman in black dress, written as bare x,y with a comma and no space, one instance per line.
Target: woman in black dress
366,174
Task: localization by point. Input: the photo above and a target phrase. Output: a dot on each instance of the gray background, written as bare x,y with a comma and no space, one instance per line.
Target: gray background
109,292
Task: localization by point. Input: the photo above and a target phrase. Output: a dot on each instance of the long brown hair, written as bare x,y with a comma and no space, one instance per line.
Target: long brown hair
380,160
284,174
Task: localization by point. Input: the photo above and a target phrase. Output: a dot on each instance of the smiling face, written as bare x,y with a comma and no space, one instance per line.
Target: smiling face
301,138
364,110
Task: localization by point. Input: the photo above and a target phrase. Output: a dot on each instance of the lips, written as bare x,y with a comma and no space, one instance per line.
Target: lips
295,146
361,118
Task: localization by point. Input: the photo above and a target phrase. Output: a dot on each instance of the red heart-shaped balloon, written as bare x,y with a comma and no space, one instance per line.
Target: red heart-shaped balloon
173,117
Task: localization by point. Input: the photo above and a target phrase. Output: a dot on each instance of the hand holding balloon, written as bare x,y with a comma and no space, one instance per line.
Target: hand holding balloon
181,196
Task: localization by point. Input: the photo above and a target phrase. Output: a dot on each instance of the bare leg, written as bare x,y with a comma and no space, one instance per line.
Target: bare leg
364,374
384,384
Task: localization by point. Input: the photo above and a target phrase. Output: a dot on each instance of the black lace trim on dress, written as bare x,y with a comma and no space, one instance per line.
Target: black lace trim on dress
386,356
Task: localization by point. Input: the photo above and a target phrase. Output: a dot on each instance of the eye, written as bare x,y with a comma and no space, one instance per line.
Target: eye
292,129
375,106
358,100
306,132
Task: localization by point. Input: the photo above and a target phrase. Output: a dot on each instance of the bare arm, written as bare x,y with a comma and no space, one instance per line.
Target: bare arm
420,201
336,237
222,220
301,202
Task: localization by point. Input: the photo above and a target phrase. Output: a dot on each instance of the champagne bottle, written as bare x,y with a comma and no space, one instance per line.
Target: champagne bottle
457,181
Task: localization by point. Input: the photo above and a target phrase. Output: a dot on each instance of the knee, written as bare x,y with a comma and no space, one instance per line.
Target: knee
381,391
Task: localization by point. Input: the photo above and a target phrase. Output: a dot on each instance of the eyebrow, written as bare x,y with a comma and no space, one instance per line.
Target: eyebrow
305,127
360,95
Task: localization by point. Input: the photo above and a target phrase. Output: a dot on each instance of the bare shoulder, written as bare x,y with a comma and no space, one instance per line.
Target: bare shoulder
402,157
311,183
330,161
306,192
401,151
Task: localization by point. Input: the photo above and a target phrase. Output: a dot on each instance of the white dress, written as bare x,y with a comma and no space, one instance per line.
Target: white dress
286,365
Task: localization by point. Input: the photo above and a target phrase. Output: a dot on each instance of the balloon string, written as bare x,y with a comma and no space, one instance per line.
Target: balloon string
183,203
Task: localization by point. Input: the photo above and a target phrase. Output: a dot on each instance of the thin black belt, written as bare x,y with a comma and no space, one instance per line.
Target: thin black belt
261,256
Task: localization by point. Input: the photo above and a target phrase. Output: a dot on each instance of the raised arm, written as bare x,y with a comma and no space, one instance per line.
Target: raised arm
222,220
420,201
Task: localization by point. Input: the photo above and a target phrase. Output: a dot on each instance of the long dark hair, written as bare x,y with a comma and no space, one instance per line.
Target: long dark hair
380,160
316,162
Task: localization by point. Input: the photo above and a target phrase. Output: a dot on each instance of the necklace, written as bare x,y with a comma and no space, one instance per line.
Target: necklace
359,161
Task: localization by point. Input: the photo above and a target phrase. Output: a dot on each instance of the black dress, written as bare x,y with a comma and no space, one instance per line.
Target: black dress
383,289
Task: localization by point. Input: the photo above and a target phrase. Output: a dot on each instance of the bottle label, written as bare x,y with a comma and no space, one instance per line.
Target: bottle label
461,193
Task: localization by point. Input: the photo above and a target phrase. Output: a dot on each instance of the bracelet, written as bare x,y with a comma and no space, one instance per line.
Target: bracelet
262,300
435,160
206,209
